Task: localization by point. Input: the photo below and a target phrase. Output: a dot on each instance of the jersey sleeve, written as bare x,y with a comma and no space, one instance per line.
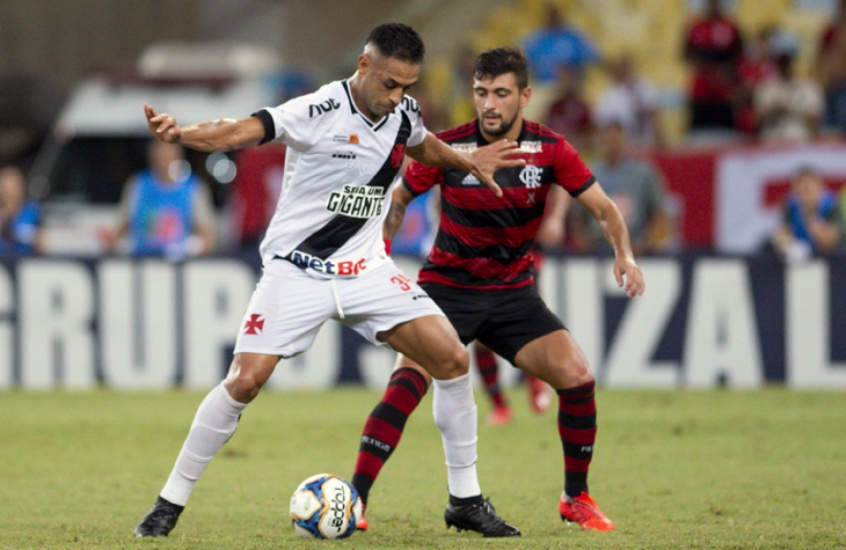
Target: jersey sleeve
571,172
418,129
419,178
299,123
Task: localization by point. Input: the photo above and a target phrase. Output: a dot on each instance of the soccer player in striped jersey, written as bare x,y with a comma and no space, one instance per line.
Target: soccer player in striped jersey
323,257
479,273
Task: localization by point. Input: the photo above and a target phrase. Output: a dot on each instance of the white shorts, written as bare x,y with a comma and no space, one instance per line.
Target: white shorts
289,306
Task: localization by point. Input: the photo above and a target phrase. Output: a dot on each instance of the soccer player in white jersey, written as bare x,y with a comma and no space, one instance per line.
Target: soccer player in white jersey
323,258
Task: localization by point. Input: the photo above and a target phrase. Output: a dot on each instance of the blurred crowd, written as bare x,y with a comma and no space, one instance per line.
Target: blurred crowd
742,89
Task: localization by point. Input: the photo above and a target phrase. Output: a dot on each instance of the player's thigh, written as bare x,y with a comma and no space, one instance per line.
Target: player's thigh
432,343
286,311
376,302
555,358
467,309
521,317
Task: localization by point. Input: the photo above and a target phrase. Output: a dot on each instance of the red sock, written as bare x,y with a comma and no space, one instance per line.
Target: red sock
577,428
486,360
383,429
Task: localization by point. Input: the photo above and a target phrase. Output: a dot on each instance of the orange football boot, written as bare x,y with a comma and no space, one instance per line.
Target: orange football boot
361,524
584,511
539,398
500,416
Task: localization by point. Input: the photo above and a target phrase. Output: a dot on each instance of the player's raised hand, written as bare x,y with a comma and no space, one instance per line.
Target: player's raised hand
492,157
627,272
162,125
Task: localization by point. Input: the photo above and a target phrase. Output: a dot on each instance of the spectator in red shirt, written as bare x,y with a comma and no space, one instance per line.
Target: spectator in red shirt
570,113
756,65
713,46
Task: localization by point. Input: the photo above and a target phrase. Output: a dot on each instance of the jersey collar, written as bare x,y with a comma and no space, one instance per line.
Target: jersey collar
354,109
481,141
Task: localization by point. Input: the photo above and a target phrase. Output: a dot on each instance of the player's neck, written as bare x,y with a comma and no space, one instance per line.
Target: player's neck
355,91
511,135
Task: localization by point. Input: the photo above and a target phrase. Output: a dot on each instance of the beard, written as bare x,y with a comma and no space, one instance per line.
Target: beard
504,127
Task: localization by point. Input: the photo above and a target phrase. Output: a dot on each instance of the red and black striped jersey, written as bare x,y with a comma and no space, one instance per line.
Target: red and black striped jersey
485,242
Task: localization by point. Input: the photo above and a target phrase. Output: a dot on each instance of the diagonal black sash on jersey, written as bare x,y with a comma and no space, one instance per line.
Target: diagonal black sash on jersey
332,236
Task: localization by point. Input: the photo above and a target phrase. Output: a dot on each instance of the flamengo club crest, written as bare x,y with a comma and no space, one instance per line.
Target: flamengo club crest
531,176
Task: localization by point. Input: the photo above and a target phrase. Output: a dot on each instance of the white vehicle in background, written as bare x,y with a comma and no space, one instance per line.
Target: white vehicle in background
100,136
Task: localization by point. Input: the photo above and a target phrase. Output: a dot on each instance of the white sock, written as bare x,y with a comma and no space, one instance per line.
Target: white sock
455,415
215,422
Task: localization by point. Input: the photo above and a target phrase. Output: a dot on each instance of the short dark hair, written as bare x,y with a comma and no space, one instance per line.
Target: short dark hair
806,170
398,41
511,59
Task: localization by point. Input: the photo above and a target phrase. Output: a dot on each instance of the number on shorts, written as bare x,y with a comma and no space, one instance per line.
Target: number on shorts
404,281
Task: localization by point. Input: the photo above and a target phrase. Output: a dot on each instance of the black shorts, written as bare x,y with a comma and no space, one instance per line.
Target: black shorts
503,320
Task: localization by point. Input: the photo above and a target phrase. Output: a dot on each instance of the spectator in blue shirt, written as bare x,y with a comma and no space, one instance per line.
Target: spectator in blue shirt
811,219
558,45
20,219
166,210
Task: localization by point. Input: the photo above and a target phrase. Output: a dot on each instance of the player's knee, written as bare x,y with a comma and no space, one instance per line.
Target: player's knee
455,363
244,388
244,381
578,373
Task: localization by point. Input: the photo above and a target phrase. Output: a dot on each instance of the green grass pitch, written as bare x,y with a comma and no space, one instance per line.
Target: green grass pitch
685,469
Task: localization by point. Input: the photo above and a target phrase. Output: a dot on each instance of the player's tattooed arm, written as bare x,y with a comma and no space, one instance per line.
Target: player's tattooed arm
482,163
214,135
400,199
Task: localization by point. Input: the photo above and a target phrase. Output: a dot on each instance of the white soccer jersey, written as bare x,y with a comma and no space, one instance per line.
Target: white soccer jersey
338,169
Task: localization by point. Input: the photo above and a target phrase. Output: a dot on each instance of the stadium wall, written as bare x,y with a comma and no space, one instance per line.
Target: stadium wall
705,321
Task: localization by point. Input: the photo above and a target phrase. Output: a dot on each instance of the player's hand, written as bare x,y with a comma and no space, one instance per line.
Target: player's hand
163,126
628,273
490,158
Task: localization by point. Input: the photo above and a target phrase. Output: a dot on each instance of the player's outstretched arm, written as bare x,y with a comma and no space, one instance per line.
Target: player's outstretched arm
482,163
400,199
606,213
223,134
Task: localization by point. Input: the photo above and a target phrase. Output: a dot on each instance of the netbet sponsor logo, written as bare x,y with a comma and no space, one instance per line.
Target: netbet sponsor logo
344,268
357,201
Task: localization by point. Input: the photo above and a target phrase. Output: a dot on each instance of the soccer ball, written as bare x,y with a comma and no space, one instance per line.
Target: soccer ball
325,506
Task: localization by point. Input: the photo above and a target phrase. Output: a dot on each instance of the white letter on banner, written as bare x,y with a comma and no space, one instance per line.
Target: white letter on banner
216,293
722,336
138,323
644,321
317,368
7,330
583,308
808,329
56,307
375,365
